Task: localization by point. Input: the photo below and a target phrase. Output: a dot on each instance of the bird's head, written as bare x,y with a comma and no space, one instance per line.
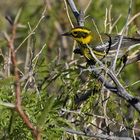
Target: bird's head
80,34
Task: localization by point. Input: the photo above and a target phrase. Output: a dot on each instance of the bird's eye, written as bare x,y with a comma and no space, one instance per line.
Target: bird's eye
84,35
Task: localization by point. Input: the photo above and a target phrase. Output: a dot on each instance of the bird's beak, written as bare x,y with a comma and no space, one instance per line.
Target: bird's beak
66,34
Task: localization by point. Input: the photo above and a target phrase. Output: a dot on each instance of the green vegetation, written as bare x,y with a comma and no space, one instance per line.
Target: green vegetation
56,93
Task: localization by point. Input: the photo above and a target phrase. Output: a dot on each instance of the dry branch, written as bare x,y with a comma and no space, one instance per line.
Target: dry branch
18,104
118,89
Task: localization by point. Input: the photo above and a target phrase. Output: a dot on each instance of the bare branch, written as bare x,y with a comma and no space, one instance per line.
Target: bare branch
78,15
96,135
18,104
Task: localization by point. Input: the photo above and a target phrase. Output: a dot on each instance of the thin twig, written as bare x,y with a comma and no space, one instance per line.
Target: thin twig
130,85
121,37
68,14
32,31
89,3
133,18
113,25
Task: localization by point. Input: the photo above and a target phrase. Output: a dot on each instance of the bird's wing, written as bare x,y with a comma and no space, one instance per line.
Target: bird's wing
114,40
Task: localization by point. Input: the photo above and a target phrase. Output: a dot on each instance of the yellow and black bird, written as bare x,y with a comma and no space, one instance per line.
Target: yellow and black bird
103,46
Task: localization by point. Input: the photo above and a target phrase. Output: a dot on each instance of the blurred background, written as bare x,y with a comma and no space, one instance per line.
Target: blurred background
39,25
56,22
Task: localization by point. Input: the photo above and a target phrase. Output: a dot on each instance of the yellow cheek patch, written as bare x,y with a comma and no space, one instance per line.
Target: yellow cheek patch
86,40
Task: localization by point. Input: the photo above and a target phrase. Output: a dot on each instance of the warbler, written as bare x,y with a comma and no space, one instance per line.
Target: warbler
102,45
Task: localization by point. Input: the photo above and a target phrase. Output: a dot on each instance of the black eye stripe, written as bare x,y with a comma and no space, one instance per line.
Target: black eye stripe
75,34
80,34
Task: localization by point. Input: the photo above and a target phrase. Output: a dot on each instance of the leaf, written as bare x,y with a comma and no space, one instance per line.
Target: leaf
45,113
